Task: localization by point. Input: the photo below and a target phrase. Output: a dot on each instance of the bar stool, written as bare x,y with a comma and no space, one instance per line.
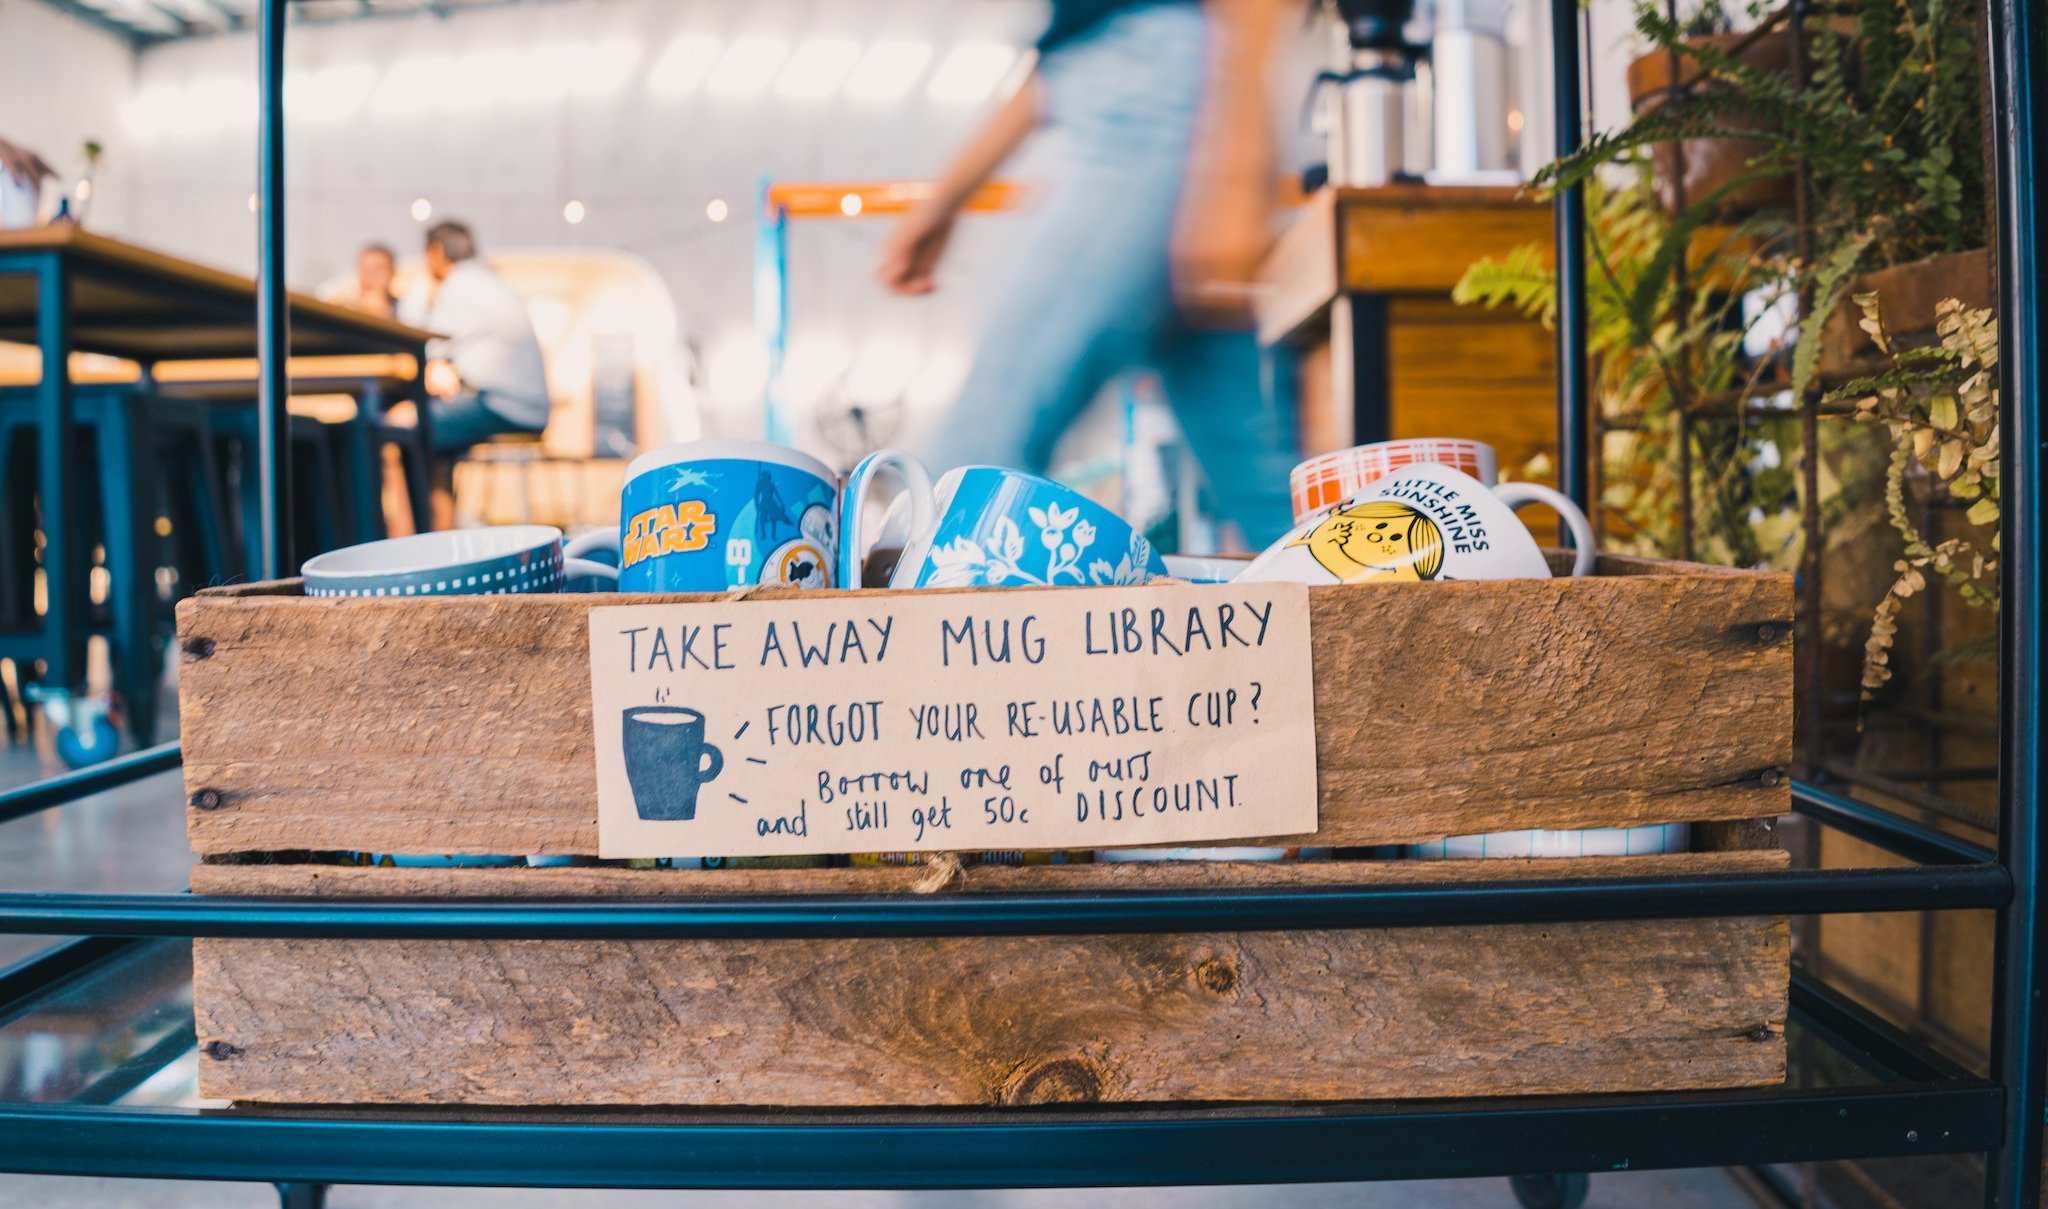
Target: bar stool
321,518
152,505
415,459
521,451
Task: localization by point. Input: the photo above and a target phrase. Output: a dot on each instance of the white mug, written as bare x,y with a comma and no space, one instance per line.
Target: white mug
1205,568
1425,522
1592,841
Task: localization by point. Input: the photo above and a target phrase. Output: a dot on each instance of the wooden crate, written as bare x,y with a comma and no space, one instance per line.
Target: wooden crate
1649,693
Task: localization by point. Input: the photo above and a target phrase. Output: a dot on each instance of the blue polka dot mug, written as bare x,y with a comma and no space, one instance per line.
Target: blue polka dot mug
496,561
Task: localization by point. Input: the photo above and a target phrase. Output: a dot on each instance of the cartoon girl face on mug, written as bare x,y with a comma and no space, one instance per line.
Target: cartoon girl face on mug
1426,522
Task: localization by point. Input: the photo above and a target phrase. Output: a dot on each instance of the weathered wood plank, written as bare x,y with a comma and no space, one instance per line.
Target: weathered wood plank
462,724
983,1021
354,881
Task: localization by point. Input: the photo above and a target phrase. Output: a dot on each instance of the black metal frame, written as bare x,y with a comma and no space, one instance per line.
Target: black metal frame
1915,1103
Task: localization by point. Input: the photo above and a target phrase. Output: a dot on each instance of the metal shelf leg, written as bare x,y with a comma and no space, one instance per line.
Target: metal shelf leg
2019,110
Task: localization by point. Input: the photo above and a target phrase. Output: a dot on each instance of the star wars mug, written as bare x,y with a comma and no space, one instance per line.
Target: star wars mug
706,516
1426,522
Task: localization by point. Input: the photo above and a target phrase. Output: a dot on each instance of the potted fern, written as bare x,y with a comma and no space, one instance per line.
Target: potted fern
1887,126
1716,164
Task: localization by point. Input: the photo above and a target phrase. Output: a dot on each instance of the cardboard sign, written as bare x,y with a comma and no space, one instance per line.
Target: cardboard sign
1092,718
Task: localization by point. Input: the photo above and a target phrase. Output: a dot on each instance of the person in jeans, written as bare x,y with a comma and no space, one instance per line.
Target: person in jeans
485,374
1155,219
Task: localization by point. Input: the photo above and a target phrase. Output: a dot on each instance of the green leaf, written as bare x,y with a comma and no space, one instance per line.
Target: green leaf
1828,286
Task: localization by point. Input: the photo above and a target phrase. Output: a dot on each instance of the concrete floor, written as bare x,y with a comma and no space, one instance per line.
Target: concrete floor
133,840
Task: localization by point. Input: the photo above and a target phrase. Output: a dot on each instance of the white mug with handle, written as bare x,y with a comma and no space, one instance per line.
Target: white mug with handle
917,494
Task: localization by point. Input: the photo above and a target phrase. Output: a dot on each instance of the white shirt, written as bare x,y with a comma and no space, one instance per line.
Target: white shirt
489,339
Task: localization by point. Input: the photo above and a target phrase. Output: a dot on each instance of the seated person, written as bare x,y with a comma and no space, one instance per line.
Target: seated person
372,292
485,373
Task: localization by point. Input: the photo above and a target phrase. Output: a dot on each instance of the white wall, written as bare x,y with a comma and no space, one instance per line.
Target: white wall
63,82
178,123
644,165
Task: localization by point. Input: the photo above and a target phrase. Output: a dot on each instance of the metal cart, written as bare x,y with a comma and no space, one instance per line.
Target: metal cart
1898,1098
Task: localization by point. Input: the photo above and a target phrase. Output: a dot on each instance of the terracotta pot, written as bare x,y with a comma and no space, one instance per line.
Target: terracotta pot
1907,294
1709,163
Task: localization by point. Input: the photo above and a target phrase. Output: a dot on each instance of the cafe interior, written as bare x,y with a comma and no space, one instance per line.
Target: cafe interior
530,241
689,201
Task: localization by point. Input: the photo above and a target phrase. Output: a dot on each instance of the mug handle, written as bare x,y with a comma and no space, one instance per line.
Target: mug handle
917,484
583,568
1514,495
708,769
597,539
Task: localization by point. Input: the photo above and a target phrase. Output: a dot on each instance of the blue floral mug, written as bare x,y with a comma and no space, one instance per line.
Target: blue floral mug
986,527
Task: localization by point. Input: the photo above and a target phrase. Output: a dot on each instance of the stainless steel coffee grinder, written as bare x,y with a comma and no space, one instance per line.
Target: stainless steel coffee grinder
1367,111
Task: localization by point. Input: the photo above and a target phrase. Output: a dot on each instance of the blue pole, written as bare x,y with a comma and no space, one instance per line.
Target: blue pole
2019,110
273,335
771,306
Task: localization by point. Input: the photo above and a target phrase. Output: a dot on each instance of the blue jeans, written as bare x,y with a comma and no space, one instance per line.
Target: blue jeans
466,420
1091,295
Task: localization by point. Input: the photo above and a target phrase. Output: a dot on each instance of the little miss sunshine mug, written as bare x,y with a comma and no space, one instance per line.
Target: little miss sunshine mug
1340,474
983,526
706,516
1425,522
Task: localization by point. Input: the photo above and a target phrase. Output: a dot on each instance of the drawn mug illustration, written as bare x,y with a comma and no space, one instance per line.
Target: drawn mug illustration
668,761
1426,522
987,527
705,516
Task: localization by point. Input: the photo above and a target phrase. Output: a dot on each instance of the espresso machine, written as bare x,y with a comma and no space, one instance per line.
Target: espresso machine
1367,109
1403,107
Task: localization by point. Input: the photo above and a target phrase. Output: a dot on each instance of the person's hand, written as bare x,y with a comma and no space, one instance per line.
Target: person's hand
442,381
22,164
1219,242
913,248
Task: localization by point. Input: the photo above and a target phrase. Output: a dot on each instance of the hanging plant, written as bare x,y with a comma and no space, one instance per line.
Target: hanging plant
1940,405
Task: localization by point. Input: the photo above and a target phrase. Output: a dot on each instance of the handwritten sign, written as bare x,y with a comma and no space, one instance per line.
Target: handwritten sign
1095,718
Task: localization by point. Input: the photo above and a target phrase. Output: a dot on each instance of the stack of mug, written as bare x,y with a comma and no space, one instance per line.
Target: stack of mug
711,516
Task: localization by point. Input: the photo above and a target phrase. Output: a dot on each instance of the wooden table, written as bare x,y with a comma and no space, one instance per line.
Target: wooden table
66,290
1360,288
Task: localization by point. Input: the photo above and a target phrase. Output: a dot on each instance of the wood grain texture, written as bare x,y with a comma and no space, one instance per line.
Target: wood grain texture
1427,249
1409,1012
462,724
358,881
